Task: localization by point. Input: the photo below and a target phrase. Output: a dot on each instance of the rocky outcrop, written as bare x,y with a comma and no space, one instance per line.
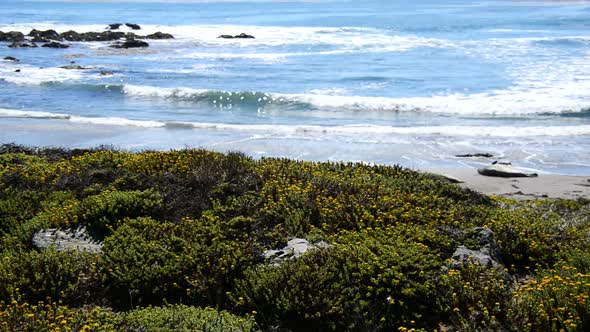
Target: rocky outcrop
504,170
12,36
11,58
66,239
294,249
115,26
159,35
488,254
240,36
131,44
22,45
55,45
133,26
45,35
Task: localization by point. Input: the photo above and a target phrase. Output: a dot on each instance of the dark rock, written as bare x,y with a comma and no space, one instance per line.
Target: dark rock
131,36
55,45
504,171
106,73
115,26
75,67
131,44
159,35
243,35
488,254
22,45
40,40
17,71
47,34
71,36
133,26
12,36
92,36
240,36
11,58
475,155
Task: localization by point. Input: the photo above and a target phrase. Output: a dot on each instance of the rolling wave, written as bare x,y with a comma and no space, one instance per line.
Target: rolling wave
311,130
502,102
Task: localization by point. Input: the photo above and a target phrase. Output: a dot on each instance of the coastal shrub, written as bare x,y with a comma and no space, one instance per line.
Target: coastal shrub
375,279
557,299
476,298
105,210
192,261
71,277
533,234
18,315
186,318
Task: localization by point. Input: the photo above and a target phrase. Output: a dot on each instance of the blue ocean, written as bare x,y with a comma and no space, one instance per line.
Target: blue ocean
379,81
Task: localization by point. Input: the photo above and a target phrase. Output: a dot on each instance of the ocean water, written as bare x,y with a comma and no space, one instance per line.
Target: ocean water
378,81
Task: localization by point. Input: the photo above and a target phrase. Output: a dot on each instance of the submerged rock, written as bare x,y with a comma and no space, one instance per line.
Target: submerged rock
74,67
475,155
504,170
22,45
66,239
55,45
131,44
11,58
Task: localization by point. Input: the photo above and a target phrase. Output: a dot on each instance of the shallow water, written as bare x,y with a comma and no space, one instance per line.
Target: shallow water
378,81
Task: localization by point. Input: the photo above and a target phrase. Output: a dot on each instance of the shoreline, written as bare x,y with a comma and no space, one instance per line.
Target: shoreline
525,188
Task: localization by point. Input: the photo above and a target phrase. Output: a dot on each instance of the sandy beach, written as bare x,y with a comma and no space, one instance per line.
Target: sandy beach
525,188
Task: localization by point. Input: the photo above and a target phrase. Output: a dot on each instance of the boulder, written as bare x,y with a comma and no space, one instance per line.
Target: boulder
17,71
294,249
47,34
114,26
240,36
159,35
488,254
12,36
106,73
66,239
504,170
131,44
133,26
22,45
243,35
11,58
55,45
71,36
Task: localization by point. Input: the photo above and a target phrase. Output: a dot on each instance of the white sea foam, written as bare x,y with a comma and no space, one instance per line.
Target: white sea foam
562,97
30,75
12,113
374,131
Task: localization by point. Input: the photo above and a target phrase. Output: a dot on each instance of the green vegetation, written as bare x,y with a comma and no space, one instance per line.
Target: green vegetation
183,234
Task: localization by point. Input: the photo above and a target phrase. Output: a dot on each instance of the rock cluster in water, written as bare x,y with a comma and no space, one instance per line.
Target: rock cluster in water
53,39
240,36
